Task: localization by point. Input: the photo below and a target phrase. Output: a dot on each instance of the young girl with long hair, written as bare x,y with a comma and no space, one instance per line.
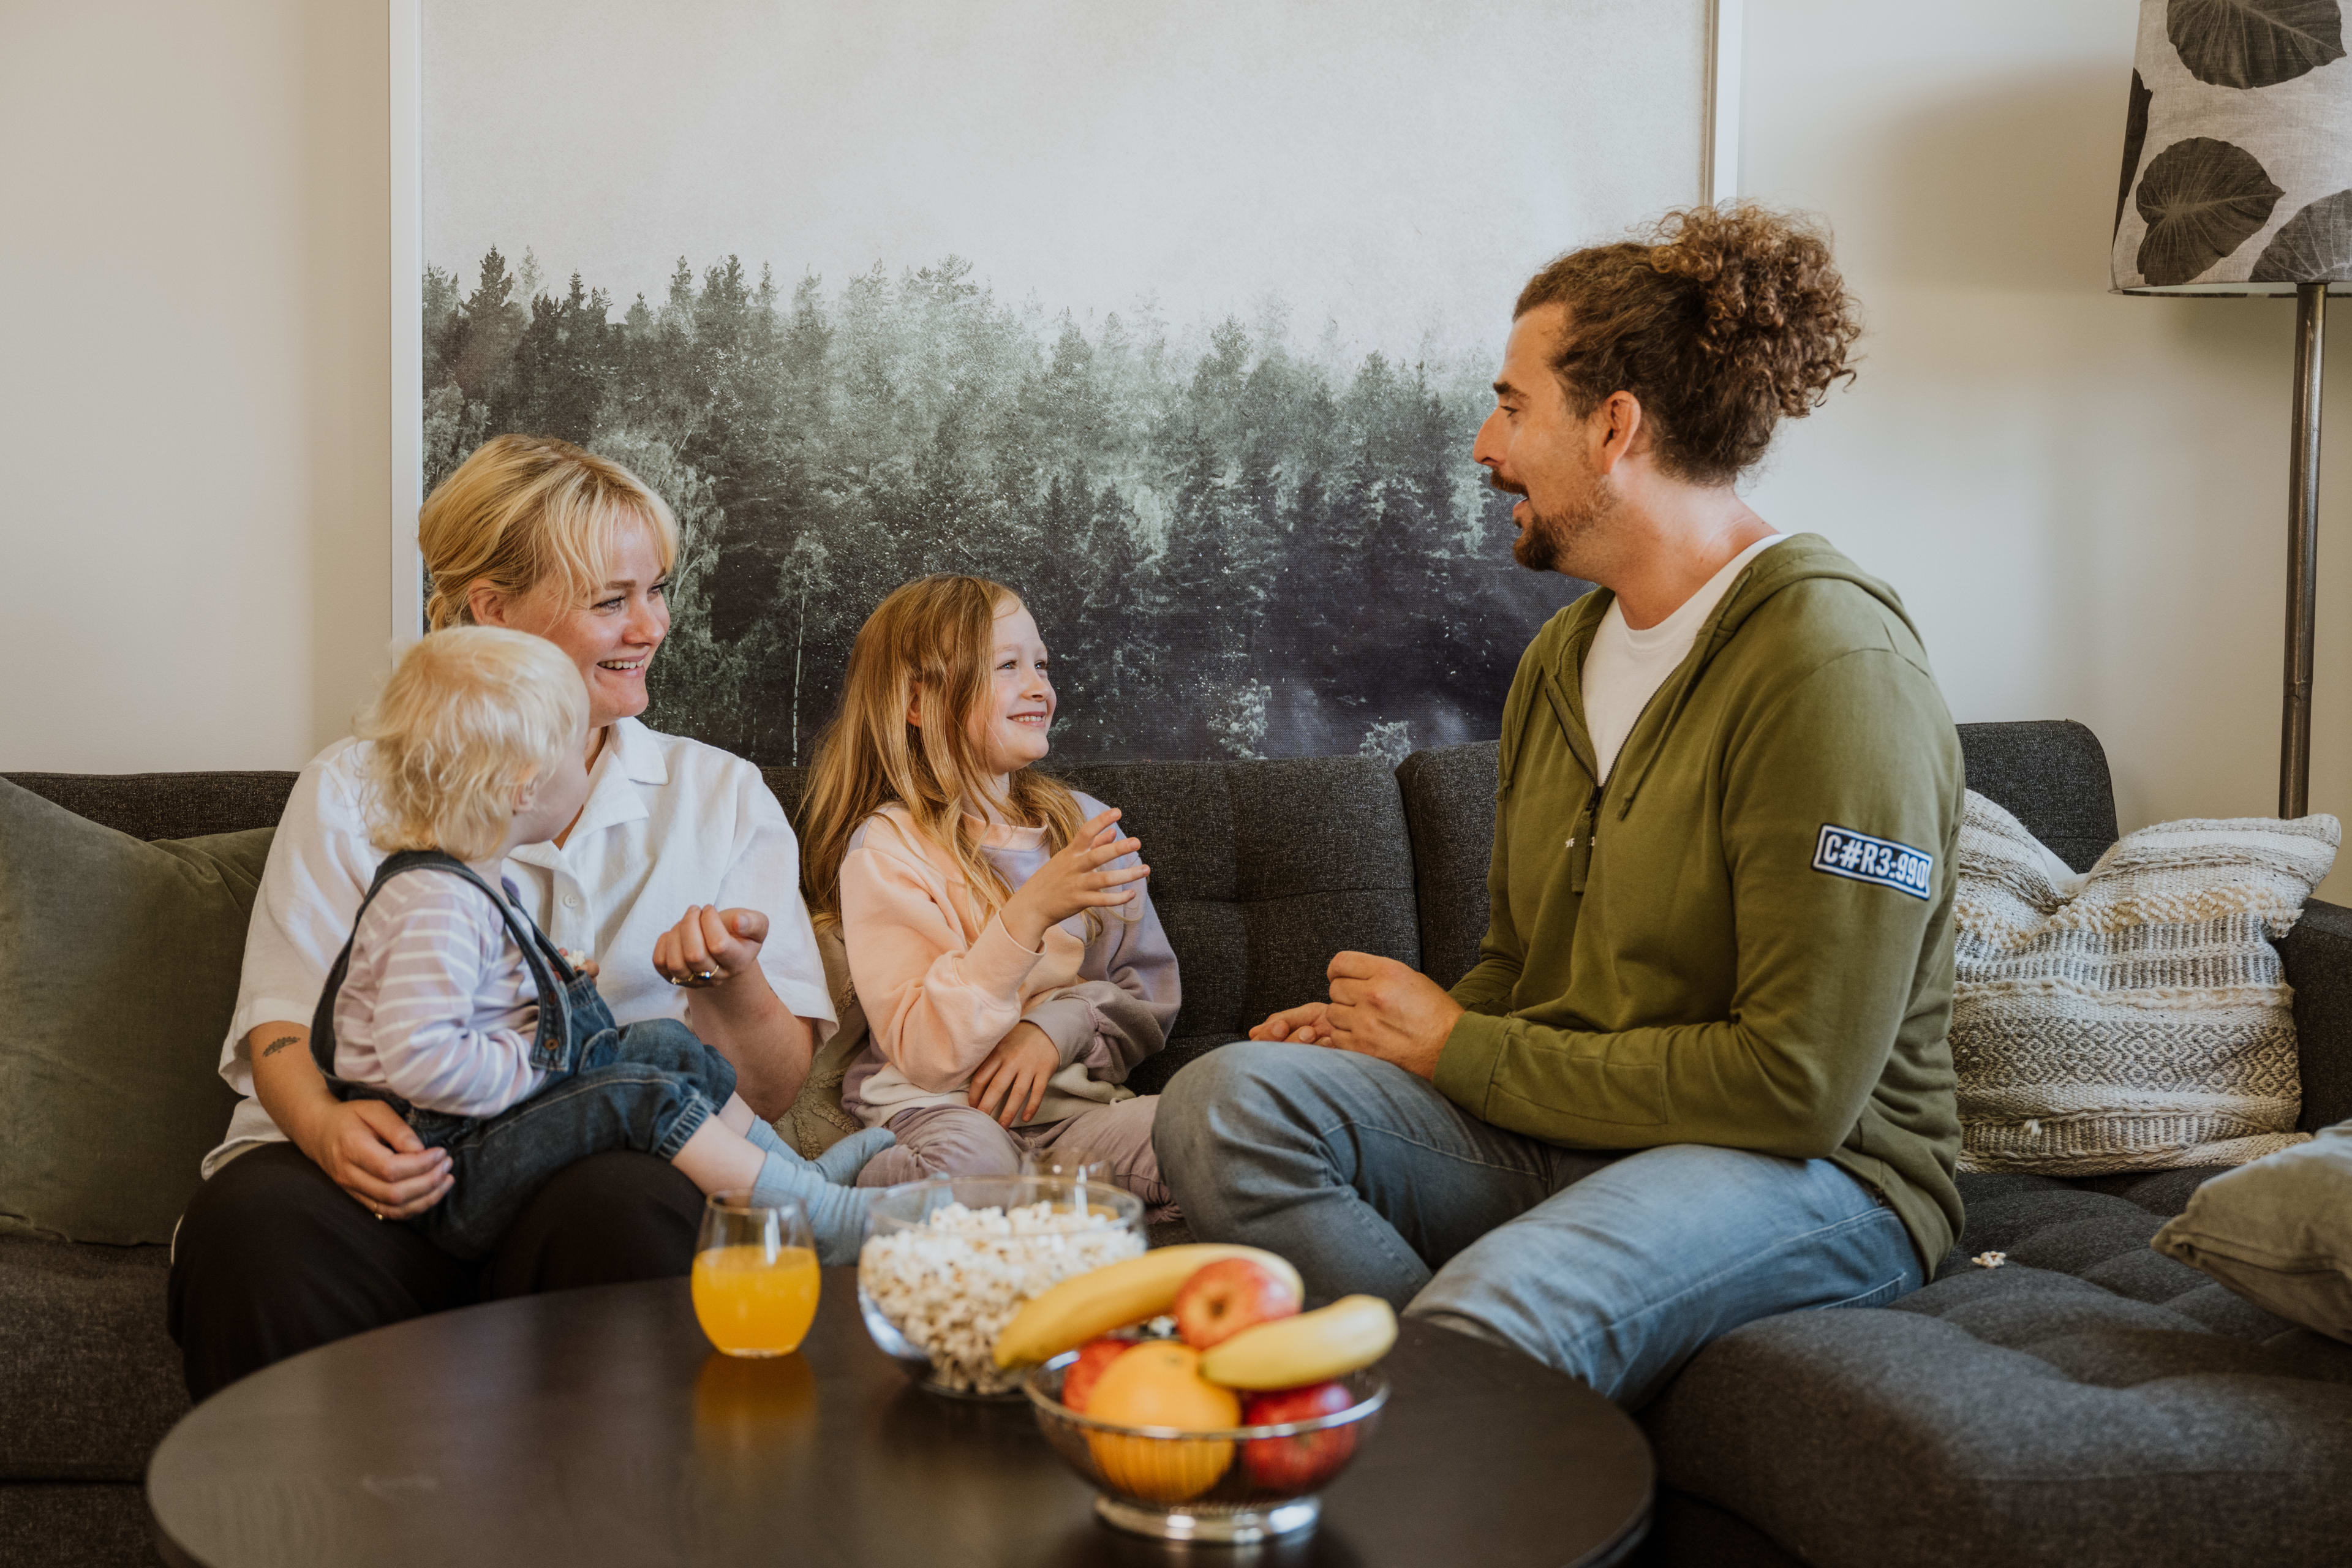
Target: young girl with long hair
998,926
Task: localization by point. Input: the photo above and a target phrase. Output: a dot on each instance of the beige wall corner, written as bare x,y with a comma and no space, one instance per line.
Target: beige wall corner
195,410
2081,496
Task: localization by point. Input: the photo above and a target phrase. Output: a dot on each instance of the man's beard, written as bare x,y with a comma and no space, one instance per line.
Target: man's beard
1552,537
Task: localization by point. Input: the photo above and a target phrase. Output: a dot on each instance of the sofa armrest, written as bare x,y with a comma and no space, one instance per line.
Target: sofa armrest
2318,954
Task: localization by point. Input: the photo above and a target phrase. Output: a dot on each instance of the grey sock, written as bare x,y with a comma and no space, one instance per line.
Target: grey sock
838,1215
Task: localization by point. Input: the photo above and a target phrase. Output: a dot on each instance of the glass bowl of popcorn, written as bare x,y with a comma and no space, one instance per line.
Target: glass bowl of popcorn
947,1262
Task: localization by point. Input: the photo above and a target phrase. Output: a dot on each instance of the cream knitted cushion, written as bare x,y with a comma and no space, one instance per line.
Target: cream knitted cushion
2136,1016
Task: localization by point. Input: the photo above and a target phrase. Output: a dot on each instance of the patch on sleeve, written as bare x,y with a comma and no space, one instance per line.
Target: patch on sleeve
1842,852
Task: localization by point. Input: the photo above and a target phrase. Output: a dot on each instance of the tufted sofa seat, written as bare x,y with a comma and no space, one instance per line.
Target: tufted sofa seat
1260,871
2088,1402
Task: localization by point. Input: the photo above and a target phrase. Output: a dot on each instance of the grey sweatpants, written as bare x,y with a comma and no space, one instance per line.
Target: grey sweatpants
957,1140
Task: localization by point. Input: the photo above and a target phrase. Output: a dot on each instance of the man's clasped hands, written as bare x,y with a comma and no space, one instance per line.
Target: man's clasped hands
1379,1007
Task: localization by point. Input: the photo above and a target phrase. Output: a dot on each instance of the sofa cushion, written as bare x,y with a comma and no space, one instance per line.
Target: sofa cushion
80,1524
1449,795
89,1382
2088,1402
2052,774
1261,871
2278,1232
2136,1016
167,805
118,976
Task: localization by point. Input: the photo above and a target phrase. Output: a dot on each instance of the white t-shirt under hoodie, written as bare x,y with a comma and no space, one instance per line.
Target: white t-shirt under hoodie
1623,669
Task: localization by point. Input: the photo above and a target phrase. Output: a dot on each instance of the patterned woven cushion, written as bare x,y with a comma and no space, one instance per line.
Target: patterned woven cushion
2136,1016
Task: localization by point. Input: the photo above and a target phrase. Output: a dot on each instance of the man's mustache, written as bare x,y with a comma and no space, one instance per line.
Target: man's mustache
1496,482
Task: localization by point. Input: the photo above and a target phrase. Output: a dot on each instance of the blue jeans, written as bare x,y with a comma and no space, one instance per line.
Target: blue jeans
1613,1268
648,1087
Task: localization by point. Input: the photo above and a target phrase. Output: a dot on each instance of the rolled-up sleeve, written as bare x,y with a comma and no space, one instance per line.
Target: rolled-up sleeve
1136,1005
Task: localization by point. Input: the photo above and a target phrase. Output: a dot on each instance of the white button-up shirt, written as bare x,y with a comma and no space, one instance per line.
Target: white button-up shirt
669,823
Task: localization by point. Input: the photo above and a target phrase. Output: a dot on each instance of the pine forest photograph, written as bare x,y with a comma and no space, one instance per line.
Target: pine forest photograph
1156,357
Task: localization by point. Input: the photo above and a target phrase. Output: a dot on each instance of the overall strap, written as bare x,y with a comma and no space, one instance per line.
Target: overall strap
549,971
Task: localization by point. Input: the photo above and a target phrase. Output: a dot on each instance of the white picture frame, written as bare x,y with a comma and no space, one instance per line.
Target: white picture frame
1719,181
404,613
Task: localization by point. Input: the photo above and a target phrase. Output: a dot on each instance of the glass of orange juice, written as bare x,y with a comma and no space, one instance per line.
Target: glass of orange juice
755,1275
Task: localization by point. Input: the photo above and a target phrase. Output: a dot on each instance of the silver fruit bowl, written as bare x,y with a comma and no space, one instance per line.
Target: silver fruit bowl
1238,1486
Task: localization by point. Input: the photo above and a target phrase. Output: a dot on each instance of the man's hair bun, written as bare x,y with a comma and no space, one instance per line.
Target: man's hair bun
1721,320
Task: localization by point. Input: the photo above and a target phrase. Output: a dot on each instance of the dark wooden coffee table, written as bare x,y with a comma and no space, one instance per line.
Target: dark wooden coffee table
589,1427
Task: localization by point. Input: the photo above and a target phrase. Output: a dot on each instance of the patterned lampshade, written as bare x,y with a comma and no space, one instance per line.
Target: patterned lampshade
2237,175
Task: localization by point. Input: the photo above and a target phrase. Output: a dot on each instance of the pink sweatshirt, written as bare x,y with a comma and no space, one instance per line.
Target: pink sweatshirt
939,990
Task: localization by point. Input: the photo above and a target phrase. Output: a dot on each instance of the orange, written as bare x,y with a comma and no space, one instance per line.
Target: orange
1158,1383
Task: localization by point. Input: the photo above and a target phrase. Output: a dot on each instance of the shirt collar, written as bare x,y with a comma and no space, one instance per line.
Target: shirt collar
1003,836
631,758
640,757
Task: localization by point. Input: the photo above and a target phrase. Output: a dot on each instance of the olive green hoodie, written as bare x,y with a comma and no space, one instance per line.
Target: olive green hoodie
1744,938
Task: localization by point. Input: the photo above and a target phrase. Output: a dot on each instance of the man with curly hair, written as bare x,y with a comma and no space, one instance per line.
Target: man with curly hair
1699,1073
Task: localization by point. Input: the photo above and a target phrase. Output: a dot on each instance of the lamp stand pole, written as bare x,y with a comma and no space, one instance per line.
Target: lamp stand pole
2302,549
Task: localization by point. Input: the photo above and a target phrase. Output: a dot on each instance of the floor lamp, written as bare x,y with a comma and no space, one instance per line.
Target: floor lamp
2237,180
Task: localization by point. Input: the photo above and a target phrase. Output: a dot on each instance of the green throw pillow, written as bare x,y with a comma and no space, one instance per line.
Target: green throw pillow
2278,1232
118,976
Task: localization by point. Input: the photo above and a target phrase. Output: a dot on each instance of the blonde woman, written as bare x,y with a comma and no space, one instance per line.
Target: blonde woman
448,1003
679,876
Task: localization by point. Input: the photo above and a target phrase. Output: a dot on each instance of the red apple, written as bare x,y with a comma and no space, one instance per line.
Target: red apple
1093,1356
1223,1297
1303,1462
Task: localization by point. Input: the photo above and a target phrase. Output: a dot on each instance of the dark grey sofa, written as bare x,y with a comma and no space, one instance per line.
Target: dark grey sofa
2090,1403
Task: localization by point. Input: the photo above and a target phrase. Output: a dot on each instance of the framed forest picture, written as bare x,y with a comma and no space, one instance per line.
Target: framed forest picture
1180,319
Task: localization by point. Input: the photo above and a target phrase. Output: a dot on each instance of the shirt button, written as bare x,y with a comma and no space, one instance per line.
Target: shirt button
571,901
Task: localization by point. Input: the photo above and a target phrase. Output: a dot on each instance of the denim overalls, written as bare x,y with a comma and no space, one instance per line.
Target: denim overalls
648,1087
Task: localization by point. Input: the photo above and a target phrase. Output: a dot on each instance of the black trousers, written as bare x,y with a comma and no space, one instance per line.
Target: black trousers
273,1259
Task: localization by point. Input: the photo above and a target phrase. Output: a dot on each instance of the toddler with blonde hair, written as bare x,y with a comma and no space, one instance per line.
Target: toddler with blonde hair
448,1003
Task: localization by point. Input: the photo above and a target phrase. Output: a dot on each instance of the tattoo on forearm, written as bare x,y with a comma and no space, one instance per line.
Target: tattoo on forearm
279,1043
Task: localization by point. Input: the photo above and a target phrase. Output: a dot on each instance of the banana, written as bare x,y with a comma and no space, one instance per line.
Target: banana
1352,1332
1087,1305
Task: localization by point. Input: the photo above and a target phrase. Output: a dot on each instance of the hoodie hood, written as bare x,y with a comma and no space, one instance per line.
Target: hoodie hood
1797,558
1800,558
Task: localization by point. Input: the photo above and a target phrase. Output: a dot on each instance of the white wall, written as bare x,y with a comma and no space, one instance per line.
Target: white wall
194,401
2081,496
